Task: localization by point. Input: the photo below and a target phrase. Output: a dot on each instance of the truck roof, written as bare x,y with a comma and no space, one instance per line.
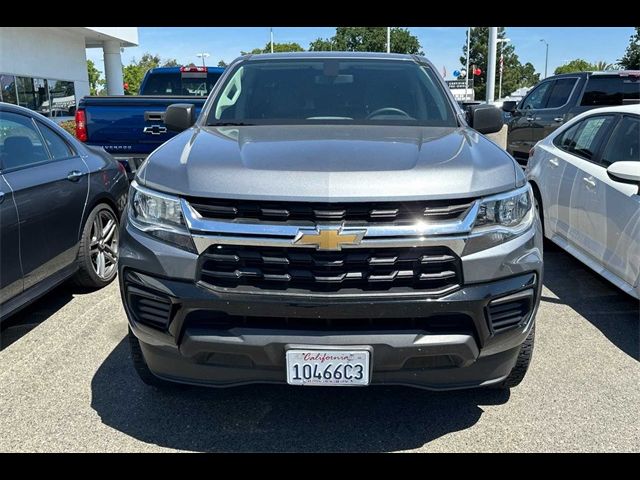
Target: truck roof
370,55
167,70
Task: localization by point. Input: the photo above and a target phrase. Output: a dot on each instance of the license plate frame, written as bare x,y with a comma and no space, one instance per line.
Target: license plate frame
328,366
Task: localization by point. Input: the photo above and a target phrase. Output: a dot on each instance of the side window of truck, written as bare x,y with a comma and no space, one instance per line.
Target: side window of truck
560,92
537,97
611,90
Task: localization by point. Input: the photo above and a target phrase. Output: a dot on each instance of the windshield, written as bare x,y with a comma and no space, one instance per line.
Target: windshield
177,83
354,92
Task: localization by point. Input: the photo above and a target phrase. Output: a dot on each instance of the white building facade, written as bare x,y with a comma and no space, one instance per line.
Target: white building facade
45,68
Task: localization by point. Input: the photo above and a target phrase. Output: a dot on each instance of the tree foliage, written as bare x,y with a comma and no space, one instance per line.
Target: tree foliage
514,74
136,70
577,65
369,39
222,63
94,78
631,58
277,48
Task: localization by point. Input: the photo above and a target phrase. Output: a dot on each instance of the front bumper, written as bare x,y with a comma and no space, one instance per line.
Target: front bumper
193,347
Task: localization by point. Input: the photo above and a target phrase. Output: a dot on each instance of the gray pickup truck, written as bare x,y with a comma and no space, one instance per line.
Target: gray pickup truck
331,219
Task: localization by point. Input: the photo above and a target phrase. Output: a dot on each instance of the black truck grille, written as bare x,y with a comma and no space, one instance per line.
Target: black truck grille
431,270
275,212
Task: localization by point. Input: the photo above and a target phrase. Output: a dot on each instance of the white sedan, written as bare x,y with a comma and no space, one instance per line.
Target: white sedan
586,180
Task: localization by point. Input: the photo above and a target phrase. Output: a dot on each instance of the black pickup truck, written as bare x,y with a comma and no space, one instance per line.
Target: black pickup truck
557,99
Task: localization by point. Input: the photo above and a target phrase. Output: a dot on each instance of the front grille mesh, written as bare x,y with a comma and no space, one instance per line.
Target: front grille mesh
425,269
308,212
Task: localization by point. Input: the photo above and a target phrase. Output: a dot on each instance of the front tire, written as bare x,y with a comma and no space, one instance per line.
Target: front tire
142,368
98,252
519,370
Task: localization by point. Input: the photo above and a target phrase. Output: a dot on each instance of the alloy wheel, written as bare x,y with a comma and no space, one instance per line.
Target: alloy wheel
104,244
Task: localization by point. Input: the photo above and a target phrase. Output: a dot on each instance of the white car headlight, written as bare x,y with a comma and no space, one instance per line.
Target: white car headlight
159,215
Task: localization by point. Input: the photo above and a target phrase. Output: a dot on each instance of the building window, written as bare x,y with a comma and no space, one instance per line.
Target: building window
62,97
8,88
32,93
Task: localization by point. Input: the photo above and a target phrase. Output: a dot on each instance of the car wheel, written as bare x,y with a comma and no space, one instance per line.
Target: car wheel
98,252
142,369
522,363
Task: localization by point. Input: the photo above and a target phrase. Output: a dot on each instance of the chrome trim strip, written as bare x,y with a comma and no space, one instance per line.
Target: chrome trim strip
196,223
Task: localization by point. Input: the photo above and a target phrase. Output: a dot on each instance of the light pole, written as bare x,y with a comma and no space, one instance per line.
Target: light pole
546,56
271,36
500,41
491,64
466,85
203,55
388,39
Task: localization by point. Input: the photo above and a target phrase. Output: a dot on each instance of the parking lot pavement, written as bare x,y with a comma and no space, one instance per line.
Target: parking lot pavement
67,384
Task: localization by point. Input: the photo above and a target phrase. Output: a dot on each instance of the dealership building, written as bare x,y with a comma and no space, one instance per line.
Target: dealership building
45,68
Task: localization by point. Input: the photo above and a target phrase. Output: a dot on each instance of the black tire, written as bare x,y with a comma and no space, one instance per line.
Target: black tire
522,363
141,366
87,276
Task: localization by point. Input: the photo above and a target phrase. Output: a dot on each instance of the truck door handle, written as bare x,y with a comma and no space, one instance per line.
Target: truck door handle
590,182
74,175
558,119
530,119
554,162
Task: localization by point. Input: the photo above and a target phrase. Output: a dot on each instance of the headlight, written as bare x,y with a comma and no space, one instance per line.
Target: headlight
506,210
501,218
159,215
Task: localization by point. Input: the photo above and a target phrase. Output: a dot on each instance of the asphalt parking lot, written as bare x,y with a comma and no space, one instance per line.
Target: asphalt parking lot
67,384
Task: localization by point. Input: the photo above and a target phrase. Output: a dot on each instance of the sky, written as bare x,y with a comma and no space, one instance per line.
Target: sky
442,45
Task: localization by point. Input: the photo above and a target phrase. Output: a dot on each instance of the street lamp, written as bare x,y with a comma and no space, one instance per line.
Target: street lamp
501,40
466,85
203,55
546,57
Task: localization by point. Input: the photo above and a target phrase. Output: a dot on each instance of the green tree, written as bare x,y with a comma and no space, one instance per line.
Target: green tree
171,62
222,63
514,74
369,39
601,65
277,48
631,59
94,78
577,65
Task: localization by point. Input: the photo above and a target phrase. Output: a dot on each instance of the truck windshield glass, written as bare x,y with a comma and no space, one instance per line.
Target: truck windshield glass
360,92
180,84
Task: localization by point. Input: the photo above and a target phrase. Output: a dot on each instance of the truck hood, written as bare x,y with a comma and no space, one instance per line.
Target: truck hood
326,163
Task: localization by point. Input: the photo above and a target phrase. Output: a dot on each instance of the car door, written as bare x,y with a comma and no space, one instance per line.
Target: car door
610,218
10,268
49,181
520,135
583,193
552,115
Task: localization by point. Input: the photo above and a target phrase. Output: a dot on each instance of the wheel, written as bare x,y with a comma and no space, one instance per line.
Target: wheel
141,366
98,252
522,363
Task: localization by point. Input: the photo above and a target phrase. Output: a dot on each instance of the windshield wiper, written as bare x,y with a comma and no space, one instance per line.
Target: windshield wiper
229,124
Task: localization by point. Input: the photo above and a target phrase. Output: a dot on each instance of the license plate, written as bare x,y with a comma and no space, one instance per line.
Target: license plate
328,367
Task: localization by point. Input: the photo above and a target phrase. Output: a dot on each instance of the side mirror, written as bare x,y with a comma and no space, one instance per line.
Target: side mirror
625,172
509,106
180,116
486,118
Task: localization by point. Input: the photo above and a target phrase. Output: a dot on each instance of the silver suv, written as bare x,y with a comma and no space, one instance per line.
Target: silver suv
331,219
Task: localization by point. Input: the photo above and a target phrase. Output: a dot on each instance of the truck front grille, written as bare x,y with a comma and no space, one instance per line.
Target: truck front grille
428,270
308,212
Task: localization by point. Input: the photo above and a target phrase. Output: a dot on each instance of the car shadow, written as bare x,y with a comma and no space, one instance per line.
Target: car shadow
25,320
280,418
613,312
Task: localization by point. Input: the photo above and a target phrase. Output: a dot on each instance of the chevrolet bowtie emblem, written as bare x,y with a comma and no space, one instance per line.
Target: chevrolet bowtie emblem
329,238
